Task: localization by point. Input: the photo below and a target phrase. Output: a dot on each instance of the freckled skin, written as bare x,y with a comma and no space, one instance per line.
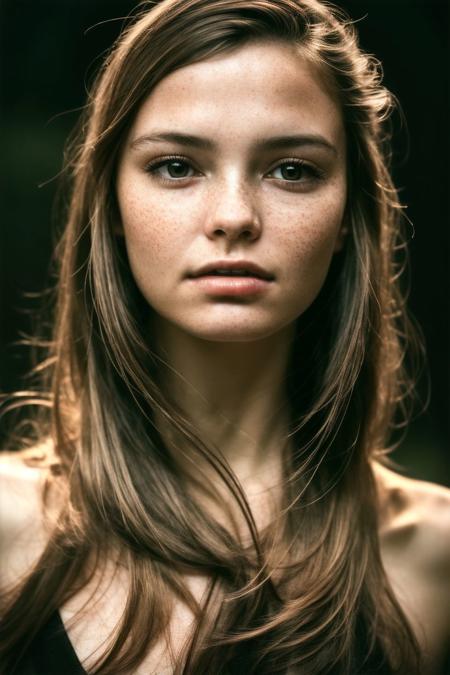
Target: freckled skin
235,201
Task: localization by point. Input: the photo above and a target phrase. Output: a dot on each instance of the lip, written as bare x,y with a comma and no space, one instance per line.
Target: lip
230,286
253,269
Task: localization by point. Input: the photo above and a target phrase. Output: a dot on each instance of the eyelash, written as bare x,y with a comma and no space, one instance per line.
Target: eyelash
315,174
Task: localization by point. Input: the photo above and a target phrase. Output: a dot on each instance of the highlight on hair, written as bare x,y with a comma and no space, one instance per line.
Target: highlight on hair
309,592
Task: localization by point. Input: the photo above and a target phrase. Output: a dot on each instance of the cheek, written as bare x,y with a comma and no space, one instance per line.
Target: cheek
152,234
310,240
308,244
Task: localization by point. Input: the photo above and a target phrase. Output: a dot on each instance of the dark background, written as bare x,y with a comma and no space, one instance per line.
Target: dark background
50,49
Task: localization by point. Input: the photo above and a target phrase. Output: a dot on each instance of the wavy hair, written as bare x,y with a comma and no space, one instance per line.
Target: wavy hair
313,598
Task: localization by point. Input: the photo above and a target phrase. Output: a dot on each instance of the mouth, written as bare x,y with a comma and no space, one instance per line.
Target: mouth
232,279
232,269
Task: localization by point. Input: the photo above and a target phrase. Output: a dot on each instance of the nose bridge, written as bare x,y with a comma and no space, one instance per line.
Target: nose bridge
233,208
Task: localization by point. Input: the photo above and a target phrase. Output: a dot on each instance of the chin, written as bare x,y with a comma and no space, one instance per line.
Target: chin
233,336
219,326
245,331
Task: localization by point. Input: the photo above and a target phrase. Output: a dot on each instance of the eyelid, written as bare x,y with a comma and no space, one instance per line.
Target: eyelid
150,167
317,173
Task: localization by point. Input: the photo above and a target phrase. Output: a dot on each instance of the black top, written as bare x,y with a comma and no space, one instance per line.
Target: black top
51,652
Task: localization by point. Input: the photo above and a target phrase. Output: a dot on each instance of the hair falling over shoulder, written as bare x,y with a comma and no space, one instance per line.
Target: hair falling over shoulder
310,599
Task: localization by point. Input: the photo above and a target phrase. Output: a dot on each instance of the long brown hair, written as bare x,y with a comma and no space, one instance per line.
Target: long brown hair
310,592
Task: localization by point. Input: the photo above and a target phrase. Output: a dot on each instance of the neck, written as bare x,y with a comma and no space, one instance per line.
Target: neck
233,393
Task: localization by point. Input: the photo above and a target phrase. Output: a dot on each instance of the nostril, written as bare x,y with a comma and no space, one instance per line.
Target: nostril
220,232
233,229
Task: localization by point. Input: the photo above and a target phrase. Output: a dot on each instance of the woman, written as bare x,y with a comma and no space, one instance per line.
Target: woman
227,361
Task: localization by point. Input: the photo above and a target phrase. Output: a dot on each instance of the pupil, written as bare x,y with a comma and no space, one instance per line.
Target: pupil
180,169
291,171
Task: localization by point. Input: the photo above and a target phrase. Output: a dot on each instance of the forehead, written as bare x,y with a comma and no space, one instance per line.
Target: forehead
255,89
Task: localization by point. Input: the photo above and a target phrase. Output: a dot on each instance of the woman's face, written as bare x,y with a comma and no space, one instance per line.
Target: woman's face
211,174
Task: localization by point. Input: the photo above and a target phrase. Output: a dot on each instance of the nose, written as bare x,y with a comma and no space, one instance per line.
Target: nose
232,214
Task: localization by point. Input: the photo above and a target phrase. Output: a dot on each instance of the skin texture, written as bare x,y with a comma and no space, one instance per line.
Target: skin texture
234,202
228,356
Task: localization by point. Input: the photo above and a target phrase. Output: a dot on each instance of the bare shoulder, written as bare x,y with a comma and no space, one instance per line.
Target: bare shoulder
21,483
23,527
415,550
419,509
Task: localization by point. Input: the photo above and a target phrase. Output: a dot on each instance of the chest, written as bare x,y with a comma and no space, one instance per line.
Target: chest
420,599
101,608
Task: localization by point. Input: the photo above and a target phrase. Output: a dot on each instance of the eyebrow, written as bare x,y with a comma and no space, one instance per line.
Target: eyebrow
202,143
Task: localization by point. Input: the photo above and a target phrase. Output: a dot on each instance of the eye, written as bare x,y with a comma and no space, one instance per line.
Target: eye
298,171
175,167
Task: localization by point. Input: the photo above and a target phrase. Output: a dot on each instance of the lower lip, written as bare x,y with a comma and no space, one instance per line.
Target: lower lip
231,286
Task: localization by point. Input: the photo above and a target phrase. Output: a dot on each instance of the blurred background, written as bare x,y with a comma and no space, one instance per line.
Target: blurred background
50,51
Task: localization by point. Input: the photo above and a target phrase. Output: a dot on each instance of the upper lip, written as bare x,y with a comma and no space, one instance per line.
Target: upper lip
245,265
